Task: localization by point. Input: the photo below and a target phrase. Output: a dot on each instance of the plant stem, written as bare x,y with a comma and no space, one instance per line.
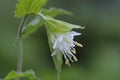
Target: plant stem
20,50
58,75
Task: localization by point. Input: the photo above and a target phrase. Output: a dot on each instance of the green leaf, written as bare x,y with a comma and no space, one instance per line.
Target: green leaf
28,74
53,12
26,7
11,75
32,26
37,22
54,25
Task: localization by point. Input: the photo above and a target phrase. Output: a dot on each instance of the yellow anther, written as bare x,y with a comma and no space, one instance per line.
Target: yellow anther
73,50
78,44
75,58
71,60
83,27
67,62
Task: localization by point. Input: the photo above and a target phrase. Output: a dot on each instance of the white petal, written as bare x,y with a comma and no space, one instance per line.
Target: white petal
55,52
55,44
73,33
61,38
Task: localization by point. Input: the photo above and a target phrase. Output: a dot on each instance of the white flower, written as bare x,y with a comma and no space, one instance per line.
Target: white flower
61,37
63,43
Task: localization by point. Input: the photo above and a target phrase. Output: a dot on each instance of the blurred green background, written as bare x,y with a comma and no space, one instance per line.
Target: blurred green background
99,59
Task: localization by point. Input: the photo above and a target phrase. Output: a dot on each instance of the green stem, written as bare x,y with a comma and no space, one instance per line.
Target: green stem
58,75
58,65
20,50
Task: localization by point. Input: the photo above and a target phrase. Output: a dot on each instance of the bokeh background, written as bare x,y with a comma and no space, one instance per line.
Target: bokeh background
99,59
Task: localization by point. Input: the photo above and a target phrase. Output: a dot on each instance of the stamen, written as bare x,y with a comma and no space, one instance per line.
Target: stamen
83,27
78,44
70,55
65,56
73,50
67,62
75,58
71,59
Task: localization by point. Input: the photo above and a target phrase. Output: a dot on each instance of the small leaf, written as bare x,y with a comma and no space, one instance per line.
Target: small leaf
11,75
32,27
25,7
28,74
37,22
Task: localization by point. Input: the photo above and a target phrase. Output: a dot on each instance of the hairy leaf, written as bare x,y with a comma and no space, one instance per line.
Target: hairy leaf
25,7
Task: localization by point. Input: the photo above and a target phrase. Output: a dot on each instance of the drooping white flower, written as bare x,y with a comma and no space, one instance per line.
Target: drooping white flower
61,39
64,43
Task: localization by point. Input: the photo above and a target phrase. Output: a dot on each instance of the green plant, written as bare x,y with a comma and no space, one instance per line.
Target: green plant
60,35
